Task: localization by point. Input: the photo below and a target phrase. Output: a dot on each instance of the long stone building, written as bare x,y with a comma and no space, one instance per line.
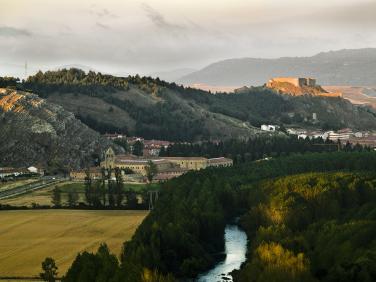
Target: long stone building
169,165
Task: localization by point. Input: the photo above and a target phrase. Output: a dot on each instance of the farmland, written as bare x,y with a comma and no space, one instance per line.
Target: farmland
29,236
43,197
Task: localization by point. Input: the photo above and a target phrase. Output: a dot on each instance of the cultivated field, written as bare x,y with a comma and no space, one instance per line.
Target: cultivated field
356,95
13,184
43,196
29,236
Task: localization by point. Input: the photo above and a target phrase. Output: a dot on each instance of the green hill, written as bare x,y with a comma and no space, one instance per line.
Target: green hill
156,109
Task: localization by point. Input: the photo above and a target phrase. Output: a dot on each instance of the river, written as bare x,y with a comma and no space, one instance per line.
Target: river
235,249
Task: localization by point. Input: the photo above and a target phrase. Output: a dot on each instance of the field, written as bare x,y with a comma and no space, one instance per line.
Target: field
29,236
12,184
43,196
356,95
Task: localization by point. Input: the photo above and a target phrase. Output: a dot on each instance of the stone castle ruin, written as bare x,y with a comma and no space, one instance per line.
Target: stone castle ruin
296,81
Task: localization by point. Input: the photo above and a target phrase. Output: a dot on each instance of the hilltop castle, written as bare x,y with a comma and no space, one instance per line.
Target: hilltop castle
296,81
296,86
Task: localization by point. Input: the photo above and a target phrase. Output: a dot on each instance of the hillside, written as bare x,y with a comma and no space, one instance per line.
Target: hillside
155,109
345,67
34,131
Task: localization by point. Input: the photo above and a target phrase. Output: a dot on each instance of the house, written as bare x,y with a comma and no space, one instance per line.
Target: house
36,169
220,162
268,127
114,136
153,147
341,135
94,173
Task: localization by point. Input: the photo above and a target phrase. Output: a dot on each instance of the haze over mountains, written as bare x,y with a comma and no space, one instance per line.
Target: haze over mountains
356,67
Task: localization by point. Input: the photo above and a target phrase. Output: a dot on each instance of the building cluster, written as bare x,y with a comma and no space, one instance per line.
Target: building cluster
11,172
269,127
150,147
365,138
167,167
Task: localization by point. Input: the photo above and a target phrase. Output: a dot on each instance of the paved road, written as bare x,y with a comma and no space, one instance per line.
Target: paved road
44,182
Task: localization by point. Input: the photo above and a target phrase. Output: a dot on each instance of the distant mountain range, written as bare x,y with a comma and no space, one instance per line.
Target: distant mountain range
172,75
355,67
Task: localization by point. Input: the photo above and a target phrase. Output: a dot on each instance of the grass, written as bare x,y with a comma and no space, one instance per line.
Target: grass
15,183
43,196
29,236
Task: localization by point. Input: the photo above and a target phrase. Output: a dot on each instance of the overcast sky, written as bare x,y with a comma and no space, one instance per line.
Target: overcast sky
130,36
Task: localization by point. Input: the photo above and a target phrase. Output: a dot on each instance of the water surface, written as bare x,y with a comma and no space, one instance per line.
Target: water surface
235,249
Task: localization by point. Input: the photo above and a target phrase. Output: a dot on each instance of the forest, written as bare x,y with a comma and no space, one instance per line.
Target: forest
308,217
257,148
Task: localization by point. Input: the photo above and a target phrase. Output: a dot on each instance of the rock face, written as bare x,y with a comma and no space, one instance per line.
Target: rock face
34,131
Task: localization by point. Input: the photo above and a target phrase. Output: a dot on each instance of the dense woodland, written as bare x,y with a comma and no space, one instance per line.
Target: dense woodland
256,148
187,114
308,218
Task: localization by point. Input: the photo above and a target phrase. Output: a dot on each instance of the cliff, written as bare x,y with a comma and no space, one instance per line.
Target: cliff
34,131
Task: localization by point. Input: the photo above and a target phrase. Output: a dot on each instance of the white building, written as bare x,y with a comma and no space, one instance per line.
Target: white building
268,127
341,136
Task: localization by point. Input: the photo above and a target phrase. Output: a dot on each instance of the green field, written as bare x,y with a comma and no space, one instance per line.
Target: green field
27,237
43,197
15,183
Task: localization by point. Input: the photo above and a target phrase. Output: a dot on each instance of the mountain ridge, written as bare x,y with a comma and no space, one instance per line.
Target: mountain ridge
355,67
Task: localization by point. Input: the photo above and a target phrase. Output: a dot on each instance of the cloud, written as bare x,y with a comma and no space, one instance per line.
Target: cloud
102,25
101,12
159,20
8,31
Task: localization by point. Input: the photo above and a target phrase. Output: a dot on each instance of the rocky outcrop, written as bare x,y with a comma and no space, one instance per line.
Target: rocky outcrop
290,89
34,131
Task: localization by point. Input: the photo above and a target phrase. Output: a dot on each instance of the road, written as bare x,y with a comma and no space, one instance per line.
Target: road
43,183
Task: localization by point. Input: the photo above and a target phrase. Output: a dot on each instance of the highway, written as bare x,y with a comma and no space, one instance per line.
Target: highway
44,182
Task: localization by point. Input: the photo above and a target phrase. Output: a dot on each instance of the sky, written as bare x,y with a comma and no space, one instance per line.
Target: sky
129,36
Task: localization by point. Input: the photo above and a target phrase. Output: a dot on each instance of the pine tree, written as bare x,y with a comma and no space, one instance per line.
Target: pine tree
56,197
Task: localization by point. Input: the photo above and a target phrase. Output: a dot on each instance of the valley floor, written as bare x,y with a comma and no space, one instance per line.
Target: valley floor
29,236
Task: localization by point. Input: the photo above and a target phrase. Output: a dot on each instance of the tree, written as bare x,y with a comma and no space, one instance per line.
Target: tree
56,197
88,188
123,143
111,192
49,269
151,170
138,148
119,187
72,198
103,186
